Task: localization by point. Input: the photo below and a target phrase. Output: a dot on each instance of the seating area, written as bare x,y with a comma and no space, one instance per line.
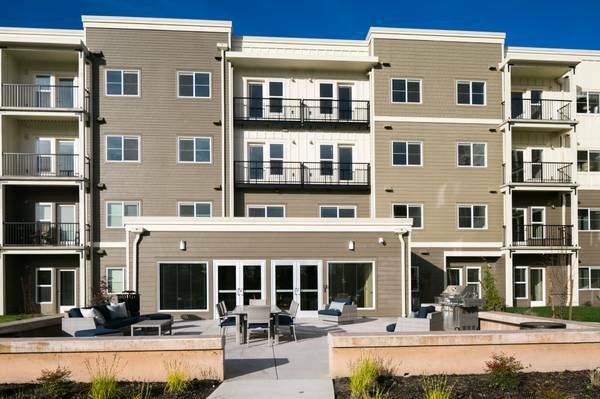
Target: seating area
341,311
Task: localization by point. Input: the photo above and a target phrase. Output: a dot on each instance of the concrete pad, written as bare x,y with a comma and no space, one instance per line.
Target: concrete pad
274,389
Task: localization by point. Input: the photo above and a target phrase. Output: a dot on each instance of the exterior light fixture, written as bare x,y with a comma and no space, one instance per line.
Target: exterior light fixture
381,241
389,189
182,245
351,245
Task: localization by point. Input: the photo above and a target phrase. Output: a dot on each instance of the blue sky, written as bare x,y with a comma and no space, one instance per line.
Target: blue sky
527,22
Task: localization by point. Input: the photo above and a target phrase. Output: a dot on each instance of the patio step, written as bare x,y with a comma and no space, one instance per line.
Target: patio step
276,389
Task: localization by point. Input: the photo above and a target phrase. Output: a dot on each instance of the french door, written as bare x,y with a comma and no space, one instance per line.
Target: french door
66,164
536,104
66,93
537,286
44,165
537,165
43,89
256,154
255,100
299,281
67,219
519,220
345,160
518,166
345,102
66,289
236,282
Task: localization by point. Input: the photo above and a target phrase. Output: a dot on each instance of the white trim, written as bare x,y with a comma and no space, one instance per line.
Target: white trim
470,82
194,203
193,96
265,206
122,202
478,282
426,119
179,262
193,138
122,269
373,270
407,165
526,282
51,285
408,205
589,269
471,144
458,244
71,37
376,32
109,244
485,226
193,25
460,274
123,72
338,207
123,137
406,80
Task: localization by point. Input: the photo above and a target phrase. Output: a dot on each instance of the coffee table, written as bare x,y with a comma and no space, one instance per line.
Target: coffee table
160,325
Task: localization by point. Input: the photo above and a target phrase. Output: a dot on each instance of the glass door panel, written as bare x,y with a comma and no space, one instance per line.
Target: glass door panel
43,97
256,161
518,225
66,158
252,282
67,224
65,93
516,105
517,166
298,281
345,162
66,290
44,165
537,171
284,285
537,287
345,102
227,285
309,288
255,100
536,104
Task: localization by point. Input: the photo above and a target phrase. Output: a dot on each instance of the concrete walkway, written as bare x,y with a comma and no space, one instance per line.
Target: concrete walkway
274,389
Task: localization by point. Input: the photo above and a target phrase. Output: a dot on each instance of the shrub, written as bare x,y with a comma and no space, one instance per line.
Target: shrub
103,382
436,387
491,297
364,377
550,392
55,383
595,377
503,372
144,392
177,378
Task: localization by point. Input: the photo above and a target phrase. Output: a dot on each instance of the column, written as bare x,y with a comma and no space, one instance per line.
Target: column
574,259
508,277
81,80
82,280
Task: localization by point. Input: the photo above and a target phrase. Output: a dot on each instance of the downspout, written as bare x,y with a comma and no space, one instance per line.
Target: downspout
138,231
223,47
402,273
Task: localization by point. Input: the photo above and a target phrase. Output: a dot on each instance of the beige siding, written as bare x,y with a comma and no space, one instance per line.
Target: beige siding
439,65
589,241
159,117
440,184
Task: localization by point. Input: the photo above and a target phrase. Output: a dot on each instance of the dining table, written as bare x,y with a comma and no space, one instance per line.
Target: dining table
240,312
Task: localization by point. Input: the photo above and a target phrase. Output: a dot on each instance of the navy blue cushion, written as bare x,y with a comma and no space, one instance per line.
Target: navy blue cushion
258,325
75,312
424,311
285,320
103,311
330,312
346,299
121,323
390,327
230,321
156,316
95,332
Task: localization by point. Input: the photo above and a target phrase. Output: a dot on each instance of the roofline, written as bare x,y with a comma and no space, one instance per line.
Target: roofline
553,51
435,35
299,40
197,25
41,35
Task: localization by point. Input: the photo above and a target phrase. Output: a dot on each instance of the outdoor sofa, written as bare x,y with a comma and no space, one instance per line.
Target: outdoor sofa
340,310
424,319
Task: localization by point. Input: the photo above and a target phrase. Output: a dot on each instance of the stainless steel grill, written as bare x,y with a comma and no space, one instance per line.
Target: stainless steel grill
460,305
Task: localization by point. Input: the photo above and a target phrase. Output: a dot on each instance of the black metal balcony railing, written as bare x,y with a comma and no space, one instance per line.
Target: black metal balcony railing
19,95
301,111
542,235
544,110
40,165
41,234
324,174
542,172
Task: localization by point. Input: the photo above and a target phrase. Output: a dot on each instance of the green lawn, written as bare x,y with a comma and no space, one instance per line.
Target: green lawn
580,313
15,317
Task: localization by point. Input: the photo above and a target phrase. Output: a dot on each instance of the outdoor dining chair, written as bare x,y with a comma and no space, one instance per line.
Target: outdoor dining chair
258,320
289,319
224,320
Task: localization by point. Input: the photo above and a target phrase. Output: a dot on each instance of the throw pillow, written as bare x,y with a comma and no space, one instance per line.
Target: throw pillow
95,314
117,311
337,305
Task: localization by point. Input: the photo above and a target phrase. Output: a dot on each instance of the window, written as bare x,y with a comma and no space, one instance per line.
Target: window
470,92
414,211
454,276
43,286
406,153
116,210
194,149
326,101
115,279
406,91
337,211
588,161
414,279
122,148
276,161
521,282
195,209
276,97
588,103
326,154
266,211
183,286
471,154
472,216
588,219
474,279
193,84
122,83
589,278
353,280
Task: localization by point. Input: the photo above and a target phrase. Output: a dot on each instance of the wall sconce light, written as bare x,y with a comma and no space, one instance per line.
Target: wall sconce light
381,241
100,120
388,127
311,142
310,80
217,123
293,141
425,253
492,130
293,79
101,252
386,64
493,68
351,245
182,245
389,189
101,186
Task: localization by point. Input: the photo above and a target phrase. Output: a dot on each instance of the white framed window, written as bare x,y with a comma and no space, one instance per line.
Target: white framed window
265,211
521,282
116,210
194,209
472,216
115,280
276,97
193,84
182,286
352,279
588,219
122,148
471,155
194,149
326,98
454,276
474,278
588,102
43,285
406,91
470,92
337,211
588,161
121,82
414,211
589,277
407,153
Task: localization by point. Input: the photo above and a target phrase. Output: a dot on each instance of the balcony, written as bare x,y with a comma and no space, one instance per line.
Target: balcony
324,175
301,112
542,235
40,165
525,109
41,234
45,97
544,173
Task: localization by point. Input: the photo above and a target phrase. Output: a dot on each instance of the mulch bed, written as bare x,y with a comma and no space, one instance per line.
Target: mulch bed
197,389
573,384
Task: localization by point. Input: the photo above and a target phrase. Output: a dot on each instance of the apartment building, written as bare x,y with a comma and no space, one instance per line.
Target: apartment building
191,165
